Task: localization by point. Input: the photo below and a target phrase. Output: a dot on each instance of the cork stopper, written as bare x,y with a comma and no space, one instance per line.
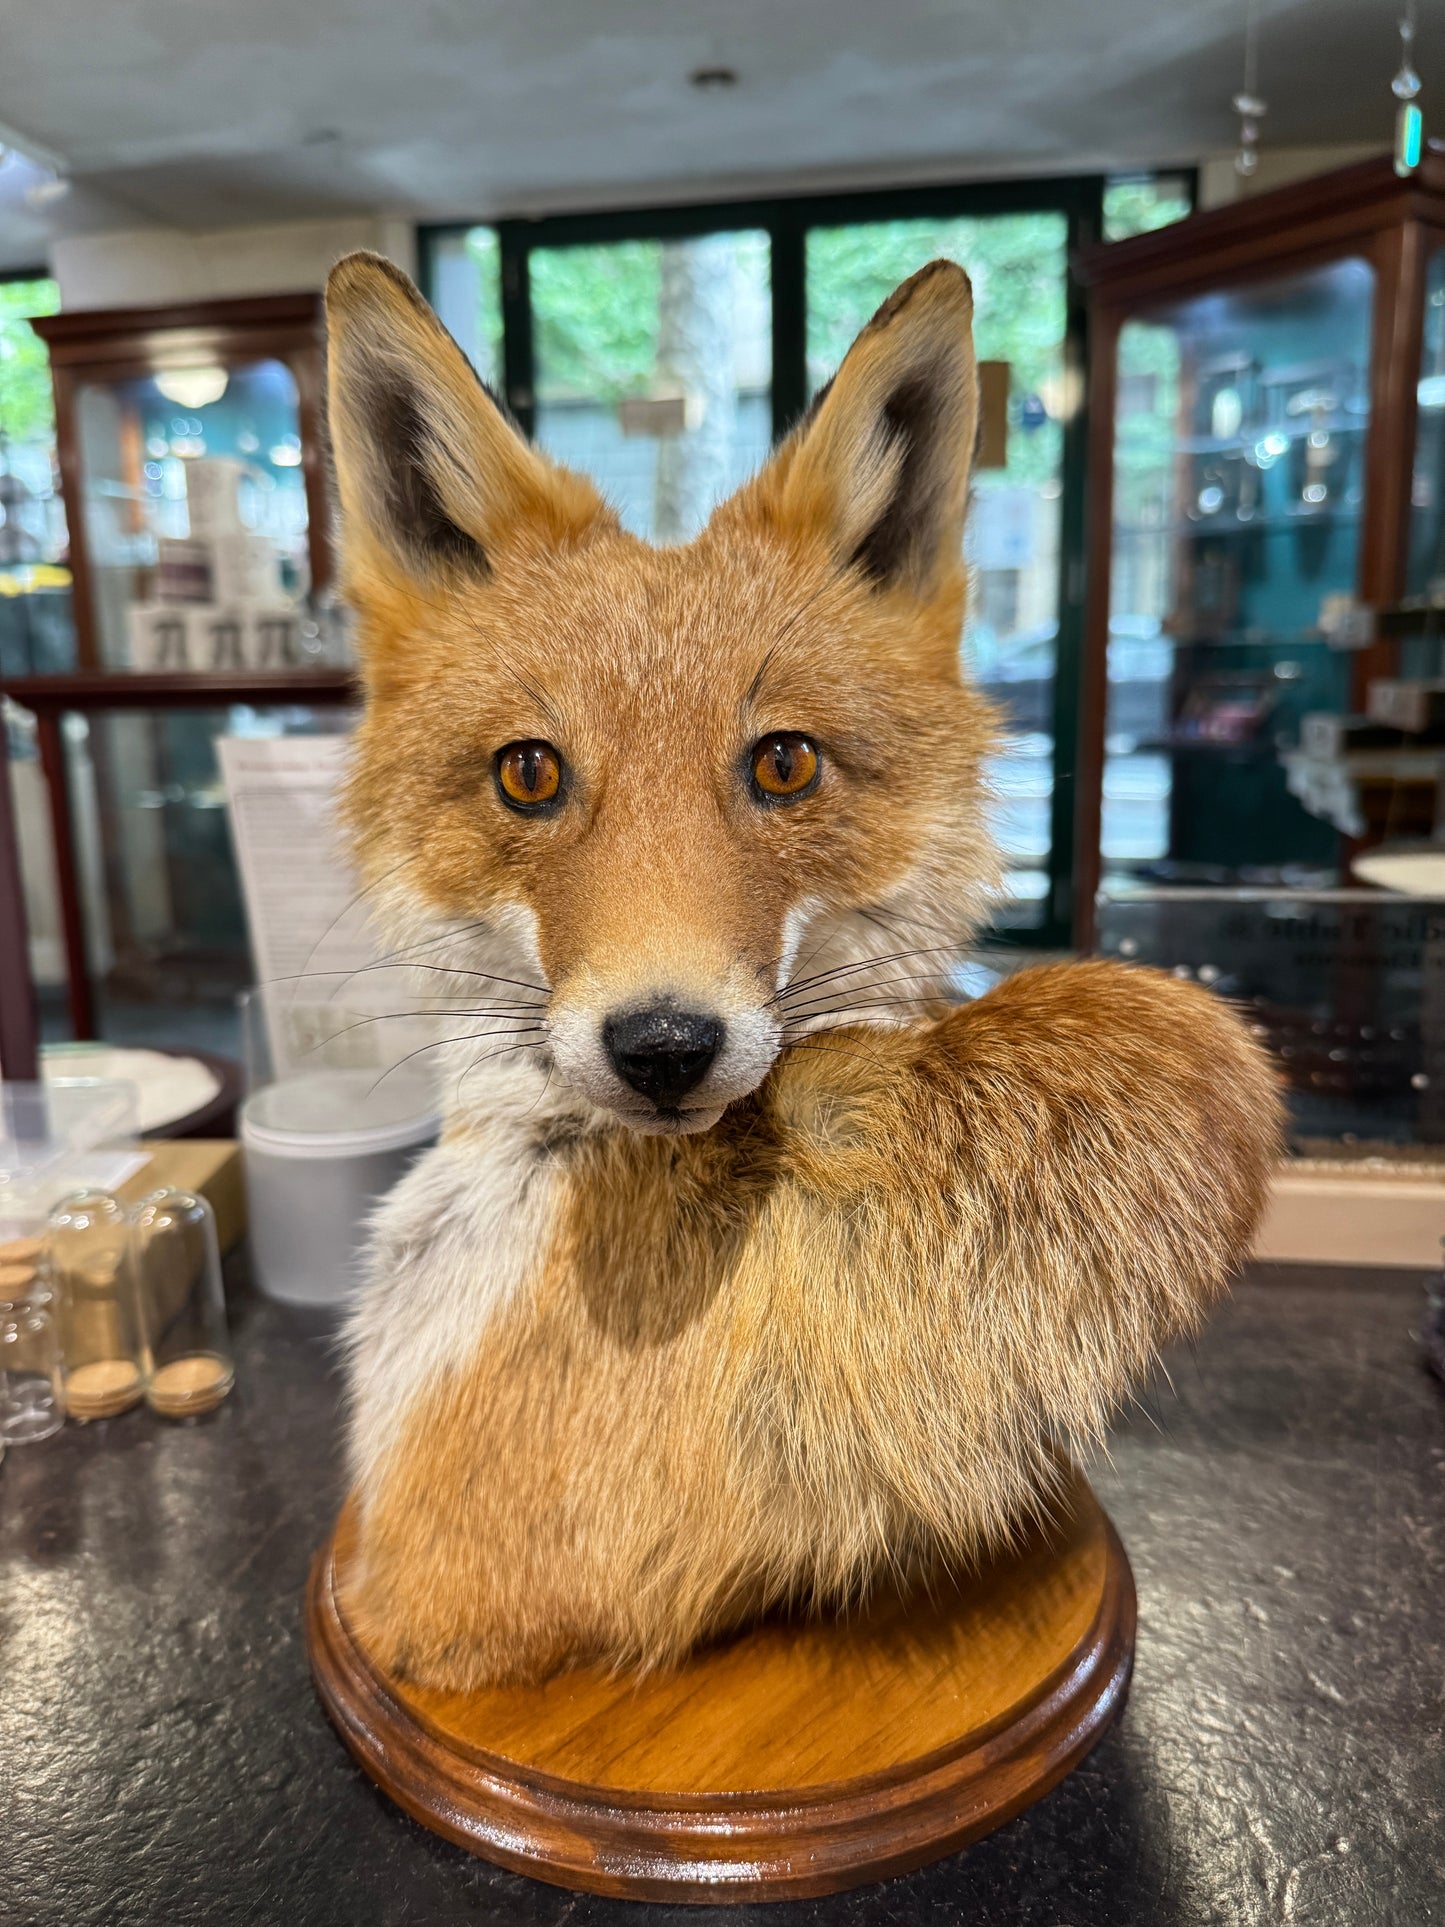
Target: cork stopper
103,1388
187,1387
19,1264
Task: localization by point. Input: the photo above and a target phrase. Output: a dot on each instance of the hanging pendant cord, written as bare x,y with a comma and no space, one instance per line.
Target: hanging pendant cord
1251,48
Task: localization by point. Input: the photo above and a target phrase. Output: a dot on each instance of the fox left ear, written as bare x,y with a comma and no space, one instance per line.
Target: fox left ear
879,467
434,480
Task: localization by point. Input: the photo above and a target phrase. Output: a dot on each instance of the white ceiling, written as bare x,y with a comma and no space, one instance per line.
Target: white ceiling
207,113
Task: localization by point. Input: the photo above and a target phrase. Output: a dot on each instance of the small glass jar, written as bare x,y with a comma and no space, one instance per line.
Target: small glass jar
30,1406
182,1304
104,1366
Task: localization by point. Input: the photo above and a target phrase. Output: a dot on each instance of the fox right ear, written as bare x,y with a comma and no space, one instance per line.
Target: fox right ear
879,466
434,480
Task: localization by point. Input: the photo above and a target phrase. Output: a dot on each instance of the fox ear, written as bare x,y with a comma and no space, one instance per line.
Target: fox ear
879,467
434,480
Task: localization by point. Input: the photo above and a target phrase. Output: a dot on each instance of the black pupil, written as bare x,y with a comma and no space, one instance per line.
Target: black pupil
783,760
529,768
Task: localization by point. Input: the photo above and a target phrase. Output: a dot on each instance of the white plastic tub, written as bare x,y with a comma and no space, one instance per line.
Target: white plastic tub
320,1151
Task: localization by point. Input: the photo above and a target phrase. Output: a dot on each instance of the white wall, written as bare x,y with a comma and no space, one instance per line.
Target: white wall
1219,183
144,267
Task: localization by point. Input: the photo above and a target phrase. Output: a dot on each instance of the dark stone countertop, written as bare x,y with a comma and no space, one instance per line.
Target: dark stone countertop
162,1758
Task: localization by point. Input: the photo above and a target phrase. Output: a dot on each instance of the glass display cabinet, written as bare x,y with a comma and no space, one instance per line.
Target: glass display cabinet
194,481
195,496
1266,549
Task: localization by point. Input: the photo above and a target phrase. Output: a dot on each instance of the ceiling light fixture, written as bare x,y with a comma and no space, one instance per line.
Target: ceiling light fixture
1410,869
193,387
45,193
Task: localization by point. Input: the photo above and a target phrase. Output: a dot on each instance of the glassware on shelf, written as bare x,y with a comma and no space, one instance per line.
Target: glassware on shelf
325,634
182,1305
104,1362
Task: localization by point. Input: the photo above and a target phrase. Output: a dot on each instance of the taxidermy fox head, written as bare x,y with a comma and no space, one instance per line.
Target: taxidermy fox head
639,791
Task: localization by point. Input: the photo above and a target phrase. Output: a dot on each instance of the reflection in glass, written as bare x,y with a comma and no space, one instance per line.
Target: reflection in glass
1426,573
653,368
1239,454
196,519
1017,266
164,919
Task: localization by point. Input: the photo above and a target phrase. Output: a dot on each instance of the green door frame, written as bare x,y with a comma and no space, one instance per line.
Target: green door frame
786,220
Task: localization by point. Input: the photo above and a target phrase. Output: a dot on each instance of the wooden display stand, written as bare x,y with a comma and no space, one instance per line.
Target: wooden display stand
800,1758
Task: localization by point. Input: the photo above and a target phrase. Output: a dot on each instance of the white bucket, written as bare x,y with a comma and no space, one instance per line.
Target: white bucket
320,1151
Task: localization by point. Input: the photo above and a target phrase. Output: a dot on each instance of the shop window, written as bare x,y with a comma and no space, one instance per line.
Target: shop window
465,276
1018,266
1139,203
653,367
37,633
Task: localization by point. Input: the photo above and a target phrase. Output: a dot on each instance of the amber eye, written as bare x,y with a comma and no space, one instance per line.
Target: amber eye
529,775
785,766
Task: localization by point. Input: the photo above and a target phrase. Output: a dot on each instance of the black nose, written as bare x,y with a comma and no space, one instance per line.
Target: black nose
663,1053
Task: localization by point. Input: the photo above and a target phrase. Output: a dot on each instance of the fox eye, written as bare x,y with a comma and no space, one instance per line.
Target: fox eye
529,775
784,767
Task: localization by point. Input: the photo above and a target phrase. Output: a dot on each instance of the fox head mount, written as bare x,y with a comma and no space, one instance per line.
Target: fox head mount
630,794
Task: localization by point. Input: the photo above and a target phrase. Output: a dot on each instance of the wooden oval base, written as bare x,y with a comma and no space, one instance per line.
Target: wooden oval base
800,1758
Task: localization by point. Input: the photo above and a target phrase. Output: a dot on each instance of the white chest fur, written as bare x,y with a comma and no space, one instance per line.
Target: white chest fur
449,1248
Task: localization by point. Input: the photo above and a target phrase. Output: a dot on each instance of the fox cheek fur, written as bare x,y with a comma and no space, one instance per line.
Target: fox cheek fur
694,1309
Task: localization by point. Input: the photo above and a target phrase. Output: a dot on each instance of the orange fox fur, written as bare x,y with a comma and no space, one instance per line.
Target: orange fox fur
624,1375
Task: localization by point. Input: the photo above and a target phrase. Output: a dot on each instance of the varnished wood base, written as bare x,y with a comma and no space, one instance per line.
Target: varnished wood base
800,1758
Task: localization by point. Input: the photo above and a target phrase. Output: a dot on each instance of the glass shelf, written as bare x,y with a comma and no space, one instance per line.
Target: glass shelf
1290,521
1241,639
1207,745
1351,424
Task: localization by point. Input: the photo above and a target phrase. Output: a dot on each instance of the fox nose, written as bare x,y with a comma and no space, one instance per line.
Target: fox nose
663,1053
